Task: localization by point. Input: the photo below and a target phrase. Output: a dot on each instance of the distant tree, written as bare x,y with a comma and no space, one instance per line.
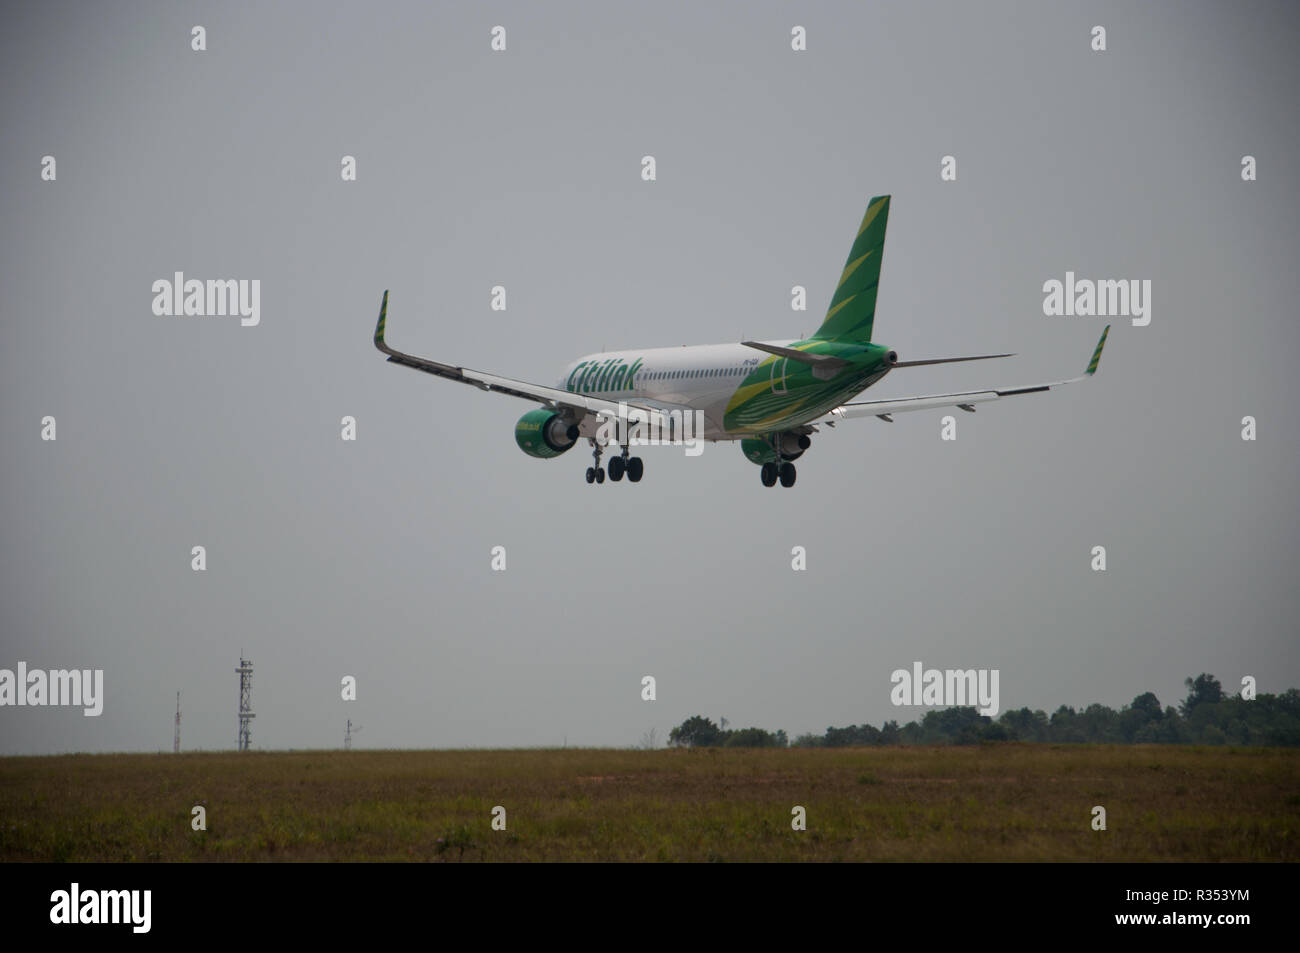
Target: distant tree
1065,725
1212,735
1283,715
995,731
1169,730
854,736
959,726
750,738
1208,717
1149,705
695,732
1100,724
1021,724
1133,718
1204,689
911,734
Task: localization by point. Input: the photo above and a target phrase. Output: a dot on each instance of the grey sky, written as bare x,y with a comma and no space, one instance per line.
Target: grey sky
522,168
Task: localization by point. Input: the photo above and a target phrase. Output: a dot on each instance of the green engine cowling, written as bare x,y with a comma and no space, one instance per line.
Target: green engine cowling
776,448
545,434
758,451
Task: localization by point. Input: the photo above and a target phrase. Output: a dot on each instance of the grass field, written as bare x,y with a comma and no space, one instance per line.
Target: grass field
994,802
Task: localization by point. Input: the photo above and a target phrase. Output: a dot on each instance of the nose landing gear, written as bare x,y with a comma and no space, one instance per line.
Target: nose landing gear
596,474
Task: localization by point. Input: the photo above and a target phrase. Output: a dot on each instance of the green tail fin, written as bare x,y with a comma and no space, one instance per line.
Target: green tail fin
853,308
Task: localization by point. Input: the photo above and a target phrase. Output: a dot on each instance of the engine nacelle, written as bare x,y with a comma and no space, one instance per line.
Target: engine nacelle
793,444
776,449
545,434
757,451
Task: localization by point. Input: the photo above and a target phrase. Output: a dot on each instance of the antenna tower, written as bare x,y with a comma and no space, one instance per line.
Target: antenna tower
246,715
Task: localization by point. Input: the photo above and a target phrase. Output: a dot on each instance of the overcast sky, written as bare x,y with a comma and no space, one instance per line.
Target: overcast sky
522,168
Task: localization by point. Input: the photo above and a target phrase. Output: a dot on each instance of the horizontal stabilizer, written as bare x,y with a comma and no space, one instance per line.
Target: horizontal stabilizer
949,360
824,365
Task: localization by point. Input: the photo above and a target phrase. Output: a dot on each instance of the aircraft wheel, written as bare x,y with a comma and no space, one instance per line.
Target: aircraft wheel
591,474
616,466
768,474
787,474
600,475
635,469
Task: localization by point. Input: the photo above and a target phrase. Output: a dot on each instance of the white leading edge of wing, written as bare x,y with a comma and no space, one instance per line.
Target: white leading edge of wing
552,396
596,406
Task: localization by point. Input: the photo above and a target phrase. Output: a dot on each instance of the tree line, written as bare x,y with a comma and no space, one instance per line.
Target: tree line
1205,717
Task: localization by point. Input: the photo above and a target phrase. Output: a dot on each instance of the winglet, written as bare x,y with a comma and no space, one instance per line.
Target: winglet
1092,365
379,328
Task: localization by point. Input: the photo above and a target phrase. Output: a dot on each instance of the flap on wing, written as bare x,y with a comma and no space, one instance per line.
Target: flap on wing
874,408
966,400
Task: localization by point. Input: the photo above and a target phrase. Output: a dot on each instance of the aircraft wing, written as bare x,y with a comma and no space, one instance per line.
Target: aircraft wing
553,397
965,400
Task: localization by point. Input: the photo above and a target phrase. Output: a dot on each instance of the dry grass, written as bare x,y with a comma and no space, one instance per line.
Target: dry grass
994,802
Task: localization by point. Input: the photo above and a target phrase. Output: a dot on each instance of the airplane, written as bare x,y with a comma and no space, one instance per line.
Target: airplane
770,395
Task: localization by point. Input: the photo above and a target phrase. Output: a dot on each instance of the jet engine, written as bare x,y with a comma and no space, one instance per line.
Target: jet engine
775,449
545,433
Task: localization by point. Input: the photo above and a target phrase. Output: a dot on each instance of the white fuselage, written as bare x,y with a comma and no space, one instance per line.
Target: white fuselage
699,377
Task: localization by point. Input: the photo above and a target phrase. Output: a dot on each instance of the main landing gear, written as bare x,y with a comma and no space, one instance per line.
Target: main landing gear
633,467
771,472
